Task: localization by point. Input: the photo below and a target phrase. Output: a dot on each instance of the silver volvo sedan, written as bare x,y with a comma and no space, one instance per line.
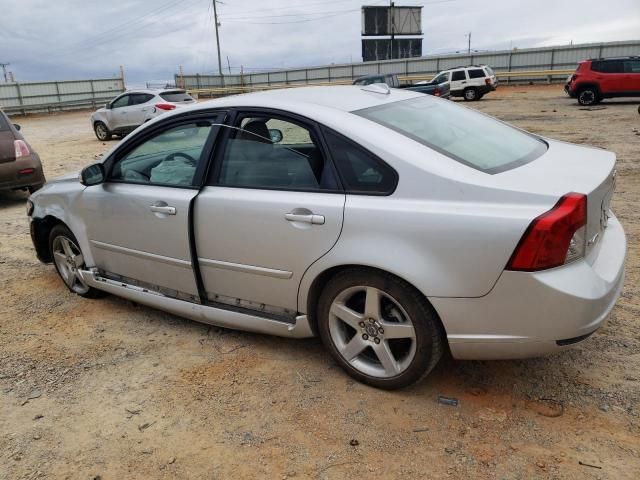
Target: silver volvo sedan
391,224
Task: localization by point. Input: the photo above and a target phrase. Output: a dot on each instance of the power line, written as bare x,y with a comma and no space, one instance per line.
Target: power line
110,34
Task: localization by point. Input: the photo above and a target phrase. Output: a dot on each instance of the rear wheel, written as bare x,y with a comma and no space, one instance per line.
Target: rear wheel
588,96
379,328
35,188
471,94
68,259
102,132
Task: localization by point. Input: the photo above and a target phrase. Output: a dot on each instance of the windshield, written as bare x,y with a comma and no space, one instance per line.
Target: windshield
460,133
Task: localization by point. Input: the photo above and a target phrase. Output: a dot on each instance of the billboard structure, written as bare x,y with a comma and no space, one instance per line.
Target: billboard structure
391,22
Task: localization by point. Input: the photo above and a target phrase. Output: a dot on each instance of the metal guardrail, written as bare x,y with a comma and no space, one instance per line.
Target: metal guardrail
46,97
232,90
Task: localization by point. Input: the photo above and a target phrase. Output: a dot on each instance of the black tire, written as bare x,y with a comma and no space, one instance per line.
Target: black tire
588,96
102,132
62,232
429,334
35,188
471,94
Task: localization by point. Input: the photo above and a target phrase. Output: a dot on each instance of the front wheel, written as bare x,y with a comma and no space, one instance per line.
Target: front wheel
379,328
102,132
68,259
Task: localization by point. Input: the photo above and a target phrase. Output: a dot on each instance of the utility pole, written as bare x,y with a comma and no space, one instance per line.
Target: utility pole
4,71
469,43
392,12
215,15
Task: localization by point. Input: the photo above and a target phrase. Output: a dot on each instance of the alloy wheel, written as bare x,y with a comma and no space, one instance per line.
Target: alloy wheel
69,259
101,131
372,331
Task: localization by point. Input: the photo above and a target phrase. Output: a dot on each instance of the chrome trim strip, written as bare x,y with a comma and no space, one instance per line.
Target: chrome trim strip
240,267
200,313
140,254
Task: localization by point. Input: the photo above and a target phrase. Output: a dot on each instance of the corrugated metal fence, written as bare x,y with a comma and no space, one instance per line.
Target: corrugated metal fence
521,60
22,98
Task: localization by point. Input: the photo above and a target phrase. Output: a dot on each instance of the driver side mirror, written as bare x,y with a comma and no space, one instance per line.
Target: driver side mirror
276,135
107,105
92,175
16,126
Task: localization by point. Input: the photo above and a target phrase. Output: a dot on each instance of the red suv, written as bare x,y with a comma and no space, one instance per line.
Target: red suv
605,78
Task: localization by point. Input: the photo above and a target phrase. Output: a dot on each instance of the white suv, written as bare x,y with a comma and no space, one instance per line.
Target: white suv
471,82
131,109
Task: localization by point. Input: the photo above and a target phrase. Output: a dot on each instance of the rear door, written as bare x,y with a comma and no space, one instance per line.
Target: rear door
272,207
138,220
610,75
458,80
139,109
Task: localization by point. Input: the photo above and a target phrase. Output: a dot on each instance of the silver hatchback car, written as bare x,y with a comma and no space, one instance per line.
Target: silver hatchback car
392,224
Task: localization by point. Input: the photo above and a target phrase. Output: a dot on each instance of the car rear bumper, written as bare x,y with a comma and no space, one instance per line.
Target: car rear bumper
16,174
538,313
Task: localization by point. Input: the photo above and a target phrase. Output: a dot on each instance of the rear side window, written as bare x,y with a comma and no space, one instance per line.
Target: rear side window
139,98
607,66
476,73
360,171
176,97
462,134
632,66
458,75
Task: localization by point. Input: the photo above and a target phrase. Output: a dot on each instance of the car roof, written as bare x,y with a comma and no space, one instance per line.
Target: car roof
346,98
153,91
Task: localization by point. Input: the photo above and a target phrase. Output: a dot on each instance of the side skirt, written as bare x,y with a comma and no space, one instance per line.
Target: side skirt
200,313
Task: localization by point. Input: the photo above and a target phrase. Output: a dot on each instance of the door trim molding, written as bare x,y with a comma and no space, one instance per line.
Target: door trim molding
242,268
175,262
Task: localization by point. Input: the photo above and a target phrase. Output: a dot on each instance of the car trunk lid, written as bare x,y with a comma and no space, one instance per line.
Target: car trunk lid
566,168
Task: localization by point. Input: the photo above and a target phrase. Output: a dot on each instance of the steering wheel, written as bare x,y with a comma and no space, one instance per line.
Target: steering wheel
188,158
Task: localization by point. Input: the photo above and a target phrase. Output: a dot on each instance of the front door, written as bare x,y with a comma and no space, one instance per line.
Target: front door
138,220
273,208
632,76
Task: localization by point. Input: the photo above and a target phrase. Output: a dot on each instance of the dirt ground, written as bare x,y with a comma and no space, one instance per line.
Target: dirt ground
107,389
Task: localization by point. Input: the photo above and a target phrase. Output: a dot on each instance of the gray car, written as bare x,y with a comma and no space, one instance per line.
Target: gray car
393,225
131,109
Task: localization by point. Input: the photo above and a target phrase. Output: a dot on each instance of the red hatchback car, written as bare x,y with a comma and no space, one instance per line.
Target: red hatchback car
600,78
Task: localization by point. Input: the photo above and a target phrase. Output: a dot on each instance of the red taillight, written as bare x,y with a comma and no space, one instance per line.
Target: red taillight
21,148
487,81
545,244
27,171
436,92
165,106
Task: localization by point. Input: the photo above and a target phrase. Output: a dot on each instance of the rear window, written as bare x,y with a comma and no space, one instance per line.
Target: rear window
176,97
476,73
462,134
489,70
4,125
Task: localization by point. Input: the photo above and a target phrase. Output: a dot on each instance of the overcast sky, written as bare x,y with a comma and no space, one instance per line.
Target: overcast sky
70,39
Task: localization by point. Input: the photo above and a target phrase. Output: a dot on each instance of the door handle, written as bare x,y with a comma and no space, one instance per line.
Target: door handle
305,217
166,209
